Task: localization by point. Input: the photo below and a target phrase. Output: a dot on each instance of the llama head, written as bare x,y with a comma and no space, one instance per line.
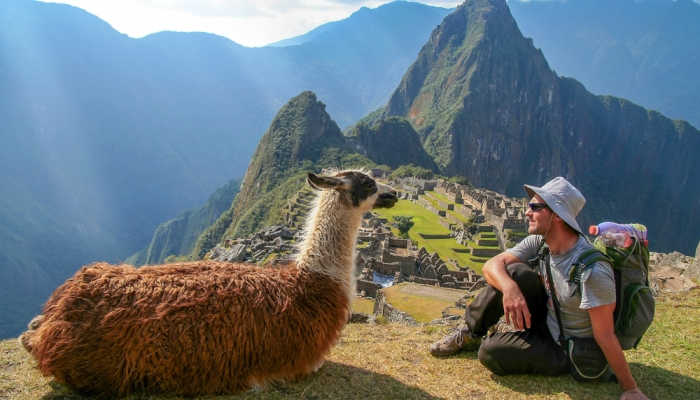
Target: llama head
355,189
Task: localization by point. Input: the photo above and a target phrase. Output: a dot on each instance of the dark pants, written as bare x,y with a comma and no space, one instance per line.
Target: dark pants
532,351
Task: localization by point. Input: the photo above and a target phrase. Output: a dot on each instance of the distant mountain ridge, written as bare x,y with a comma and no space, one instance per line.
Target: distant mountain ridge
374,23
645,51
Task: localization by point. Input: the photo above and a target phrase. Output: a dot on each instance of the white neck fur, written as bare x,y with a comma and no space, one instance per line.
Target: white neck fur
330,235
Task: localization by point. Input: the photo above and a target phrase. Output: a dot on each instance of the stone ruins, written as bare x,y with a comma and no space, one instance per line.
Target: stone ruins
485,220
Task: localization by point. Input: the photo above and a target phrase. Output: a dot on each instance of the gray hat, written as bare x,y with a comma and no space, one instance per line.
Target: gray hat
562,197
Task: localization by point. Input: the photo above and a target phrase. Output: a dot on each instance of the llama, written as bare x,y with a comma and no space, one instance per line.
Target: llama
208,327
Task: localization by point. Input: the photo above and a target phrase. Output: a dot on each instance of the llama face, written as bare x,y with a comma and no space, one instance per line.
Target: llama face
356,189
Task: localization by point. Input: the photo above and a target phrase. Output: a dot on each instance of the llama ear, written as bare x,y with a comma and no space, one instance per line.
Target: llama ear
324,182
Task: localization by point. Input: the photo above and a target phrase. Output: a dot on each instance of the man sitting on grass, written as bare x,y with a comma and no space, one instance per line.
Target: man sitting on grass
521,293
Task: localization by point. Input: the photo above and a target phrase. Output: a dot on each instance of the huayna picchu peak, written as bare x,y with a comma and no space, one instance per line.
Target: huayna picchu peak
487,106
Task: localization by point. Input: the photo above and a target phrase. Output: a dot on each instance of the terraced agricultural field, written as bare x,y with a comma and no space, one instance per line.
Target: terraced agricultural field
427,222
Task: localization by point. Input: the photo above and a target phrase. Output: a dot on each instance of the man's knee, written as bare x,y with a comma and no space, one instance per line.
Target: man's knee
491,356
524,275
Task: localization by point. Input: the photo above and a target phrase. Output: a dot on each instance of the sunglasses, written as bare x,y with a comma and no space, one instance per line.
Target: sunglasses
537,206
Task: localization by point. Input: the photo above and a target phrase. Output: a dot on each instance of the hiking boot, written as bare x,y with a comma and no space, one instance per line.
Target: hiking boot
460,338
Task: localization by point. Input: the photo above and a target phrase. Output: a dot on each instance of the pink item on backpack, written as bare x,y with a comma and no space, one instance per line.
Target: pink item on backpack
620,235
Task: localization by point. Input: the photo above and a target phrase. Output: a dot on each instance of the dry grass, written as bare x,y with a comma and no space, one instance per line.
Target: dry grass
392,362
363,305
424,303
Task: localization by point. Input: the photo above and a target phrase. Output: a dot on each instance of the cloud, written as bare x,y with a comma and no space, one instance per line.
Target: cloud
251,23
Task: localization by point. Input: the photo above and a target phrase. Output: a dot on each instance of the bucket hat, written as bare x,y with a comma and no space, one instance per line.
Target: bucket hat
561,197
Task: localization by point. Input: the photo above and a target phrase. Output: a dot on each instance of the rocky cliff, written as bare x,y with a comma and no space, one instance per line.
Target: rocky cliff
487,106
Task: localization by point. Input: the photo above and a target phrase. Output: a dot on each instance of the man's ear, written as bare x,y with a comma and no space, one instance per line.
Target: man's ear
557,218
324,182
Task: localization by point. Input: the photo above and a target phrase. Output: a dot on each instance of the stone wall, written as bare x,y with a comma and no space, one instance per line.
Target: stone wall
370,288
424,281
401,261
487,242
385,268
434,236
383,308
399,243
479,252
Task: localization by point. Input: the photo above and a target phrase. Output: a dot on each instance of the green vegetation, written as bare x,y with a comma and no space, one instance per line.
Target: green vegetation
456,214
403,223
409,170
391,141
302,138
427,222
362,245
461,180
212,235
175,239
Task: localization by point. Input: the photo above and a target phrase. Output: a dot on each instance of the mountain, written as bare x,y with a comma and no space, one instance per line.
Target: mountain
104,137
178,236
381,23
391,141
645,51
302,138
487,106
355,63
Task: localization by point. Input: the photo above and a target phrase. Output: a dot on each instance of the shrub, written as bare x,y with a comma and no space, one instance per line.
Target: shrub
403,223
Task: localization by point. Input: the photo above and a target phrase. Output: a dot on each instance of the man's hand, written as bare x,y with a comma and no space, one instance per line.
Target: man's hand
633,394
514,304
515,308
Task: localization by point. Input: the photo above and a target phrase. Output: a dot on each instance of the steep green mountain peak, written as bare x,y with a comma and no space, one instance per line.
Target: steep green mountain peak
302,138
300,131
476,52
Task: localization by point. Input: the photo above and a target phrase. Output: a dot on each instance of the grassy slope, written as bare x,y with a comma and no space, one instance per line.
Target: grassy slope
392,362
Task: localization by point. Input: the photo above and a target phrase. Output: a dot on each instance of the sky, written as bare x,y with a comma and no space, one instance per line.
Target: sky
247,22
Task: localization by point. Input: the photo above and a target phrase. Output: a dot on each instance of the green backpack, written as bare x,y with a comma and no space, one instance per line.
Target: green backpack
635,306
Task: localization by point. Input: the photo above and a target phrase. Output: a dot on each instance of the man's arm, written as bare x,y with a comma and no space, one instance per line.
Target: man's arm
604,334
514,304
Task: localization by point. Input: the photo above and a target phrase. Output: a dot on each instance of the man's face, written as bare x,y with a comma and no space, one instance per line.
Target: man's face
539,216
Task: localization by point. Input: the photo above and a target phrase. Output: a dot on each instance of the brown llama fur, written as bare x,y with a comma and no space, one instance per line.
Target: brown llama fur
206,327
154,328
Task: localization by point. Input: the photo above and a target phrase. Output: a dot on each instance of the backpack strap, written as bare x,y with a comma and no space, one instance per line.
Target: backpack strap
585,261
542,249
553,294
